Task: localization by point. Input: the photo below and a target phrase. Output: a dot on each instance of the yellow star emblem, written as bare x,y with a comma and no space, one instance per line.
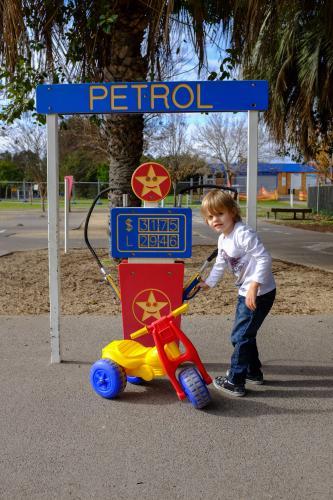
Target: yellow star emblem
151,182
151,307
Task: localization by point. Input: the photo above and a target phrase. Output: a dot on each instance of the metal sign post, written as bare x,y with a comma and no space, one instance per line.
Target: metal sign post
66,214
252,169
53,233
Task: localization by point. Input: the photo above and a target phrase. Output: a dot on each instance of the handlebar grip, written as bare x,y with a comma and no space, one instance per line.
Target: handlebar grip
192,293
139,333
180,310
189,287
144,330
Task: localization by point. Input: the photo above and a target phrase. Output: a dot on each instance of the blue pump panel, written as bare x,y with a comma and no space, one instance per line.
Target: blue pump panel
151,232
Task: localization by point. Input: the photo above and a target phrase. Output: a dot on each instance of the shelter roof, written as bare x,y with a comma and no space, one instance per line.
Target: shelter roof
270,168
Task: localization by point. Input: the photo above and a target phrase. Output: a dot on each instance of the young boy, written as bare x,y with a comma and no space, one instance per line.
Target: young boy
241,251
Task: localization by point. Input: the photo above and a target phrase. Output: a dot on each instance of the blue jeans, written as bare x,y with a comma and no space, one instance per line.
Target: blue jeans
245,358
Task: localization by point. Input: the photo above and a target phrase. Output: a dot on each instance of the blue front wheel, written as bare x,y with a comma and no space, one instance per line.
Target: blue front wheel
194,387
107,378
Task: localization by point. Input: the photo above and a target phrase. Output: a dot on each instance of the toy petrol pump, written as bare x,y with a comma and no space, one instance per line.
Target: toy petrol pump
150,240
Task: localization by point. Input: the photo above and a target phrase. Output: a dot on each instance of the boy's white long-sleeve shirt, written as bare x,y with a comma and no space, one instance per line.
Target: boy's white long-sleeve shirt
242,253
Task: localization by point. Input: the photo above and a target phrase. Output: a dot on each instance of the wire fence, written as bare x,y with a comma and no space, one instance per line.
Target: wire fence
28,191
84,192
320,198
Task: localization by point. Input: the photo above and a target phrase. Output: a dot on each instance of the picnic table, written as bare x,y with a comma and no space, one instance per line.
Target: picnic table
294,211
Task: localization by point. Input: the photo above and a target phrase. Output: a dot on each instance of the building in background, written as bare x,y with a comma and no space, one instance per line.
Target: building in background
280,177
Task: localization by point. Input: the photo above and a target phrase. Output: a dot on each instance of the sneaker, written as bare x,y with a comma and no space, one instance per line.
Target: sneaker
255,379
223,384
252,379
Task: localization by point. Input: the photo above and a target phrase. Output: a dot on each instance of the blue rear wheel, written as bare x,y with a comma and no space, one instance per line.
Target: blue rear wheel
107,378
194,387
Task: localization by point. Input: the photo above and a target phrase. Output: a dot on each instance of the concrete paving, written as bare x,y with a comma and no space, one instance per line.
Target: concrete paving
59,440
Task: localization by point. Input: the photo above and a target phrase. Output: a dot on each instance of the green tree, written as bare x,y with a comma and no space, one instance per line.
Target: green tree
29,143
323,161
103,172
290,44
9,172
79,166
57,41
79,133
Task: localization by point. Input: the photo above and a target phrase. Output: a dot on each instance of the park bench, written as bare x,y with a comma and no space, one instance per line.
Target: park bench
295,211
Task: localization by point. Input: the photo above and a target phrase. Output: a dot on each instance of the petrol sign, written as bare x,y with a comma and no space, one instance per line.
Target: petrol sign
152,97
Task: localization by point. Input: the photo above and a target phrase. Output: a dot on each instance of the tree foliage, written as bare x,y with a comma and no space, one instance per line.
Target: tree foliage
83,134
225,141
172,143
290,44
28,142
58,41
9,171
323,160
88,40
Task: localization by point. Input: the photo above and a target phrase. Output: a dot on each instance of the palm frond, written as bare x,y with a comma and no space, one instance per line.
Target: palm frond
12,32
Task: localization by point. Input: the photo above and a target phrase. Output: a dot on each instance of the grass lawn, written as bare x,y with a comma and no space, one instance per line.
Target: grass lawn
14,205
315,222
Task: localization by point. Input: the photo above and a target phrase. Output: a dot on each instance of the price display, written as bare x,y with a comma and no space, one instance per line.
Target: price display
151,232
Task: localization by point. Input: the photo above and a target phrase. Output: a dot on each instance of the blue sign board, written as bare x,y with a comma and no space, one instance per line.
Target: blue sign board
151,232
153,97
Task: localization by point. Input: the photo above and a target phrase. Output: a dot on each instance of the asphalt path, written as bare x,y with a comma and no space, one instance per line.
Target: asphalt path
28,230
59,440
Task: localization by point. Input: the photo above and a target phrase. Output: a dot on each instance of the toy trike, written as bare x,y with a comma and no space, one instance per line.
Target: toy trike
128,359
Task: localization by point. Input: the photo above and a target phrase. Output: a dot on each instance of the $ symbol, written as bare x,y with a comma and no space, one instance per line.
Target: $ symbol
128,223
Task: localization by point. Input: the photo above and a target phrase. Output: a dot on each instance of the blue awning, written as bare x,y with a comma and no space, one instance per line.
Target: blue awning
269,168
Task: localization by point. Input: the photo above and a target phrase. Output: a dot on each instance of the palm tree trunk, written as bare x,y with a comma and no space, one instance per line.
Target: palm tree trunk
125,150
126,130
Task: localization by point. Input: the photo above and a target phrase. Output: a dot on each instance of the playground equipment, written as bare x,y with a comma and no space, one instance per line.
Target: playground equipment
149,242
68,99
122,359
263,195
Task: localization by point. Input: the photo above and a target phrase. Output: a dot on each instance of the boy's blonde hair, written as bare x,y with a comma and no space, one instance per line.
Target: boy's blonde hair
216,200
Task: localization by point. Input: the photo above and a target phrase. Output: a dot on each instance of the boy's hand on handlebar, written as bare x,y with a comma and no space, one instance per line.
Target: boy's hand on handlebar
203,286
